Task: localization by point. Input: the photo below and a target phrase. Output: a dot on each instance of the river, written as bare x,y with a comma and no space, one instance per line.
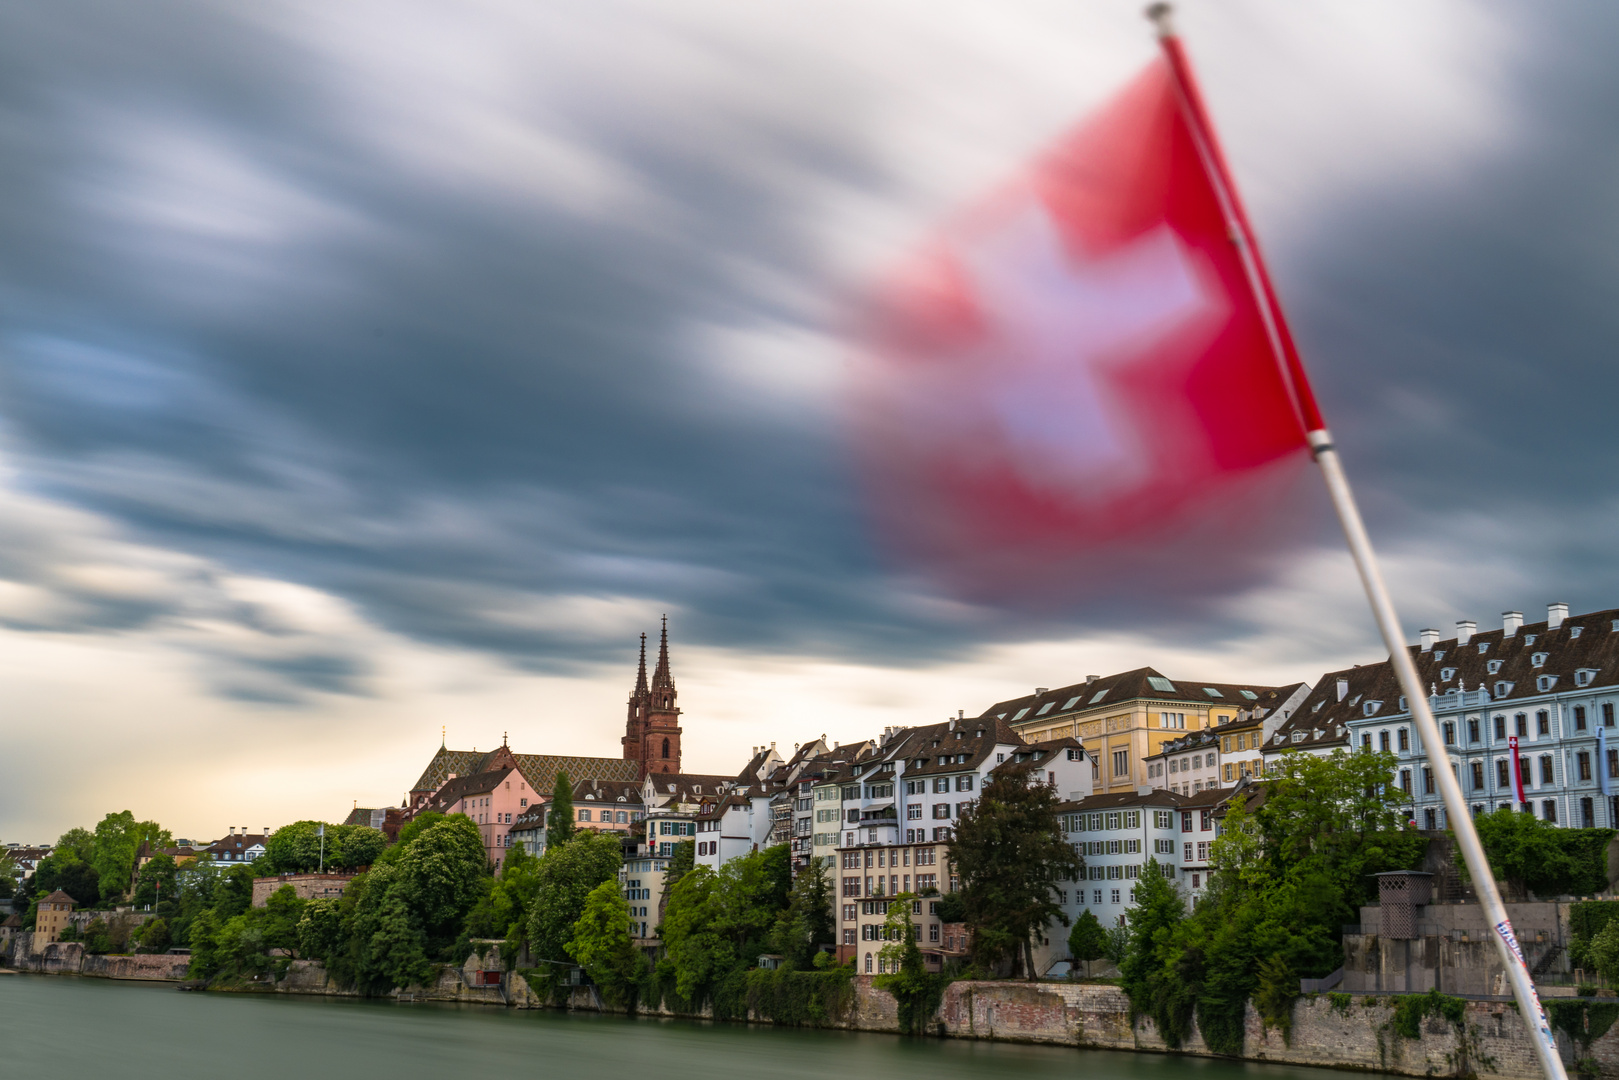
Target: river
69,1027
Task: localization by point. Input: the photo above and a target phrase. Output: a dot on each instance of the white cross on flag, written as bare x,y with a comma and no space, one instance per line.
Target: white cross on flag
1074,378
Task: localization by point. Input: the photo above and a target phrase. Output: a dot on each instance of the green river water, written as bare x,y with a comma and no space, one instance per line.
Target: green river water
66,1028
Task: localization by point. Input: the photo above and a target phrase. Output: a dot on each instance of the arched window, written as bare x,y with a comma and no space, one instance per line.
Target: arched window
666,748
868,963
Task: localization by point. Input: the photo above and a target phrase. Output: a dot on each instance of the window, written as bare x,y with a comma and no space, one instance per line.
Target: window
962,807
1172,720
1543,722
1538,659
1500,727
1371,707
1501,778
1450,733
941,810
584,814
1546,774
1472,729
1587,817
1583,677
1405,739
1383,741
1167,847
1366,741
1121,762
964,783
1206,820
913,812
1186,821
1115,896
1478,776
1607,714
1427,781
1405,780
1158,682
1582,762
1548,810
1613,763
1228,772
1493,667
1579,714
1430,819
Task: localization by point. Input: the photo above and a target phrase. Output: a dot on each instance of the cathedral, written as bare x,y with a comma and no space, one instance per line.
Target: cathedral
652,728
651,746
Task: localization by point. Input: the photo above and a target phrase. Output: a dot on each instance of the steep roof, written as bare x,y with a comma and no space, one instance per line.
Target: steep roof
539,770
1034,755
466,786
59,897
1125,686
613,791
1125,799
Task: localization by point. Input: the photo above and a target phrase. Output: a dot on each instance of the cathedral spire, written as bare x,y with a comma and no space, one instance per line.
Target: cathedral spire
661,677
640,676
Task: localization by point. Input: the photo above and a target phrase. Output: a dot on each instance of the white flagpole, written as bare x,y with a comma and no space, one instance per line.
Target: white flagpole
1360,548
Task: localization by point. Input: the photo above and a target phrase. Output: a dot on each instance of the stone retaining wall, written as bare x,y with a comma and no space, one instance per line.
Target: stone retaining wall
1333,1030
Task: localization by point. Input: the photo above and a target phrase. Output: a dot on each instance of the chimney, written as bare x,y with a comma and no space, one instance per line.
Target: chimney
1429,638
230,829
1555,614
961,714
1091,678
1511,623
1343,689
1041,690
1465,629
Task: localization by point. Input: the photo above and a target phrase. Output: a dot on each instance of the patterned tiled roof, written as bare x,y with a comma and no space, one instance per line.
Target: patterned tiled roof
540,770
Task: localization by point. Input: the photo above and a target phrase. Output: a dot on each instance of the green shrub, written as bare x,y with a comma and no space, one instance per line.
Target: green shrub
1586,921
1340,1003
801,998
1410,1009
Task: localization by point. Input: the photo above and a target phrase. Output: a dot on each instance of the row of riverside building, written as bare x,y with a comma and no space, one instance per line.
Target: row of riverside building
1143,762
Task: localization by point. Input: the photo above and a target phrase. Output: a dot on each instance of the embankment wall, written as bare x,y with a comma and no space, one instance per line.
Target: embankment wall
1336,1031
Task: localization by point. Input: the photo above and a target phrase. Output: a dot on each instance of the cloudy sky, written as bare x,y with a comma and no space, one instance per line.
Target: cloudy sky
370,368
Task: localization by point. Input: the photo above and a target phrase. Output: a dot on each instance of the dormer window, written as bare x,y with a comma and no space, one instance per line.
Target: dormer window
1539,659
1574,631
1483,647
1298,736
1354,701
979,734
1503,688
1544,683
1585,676
1318,706
1447,674
1371,707
1494,667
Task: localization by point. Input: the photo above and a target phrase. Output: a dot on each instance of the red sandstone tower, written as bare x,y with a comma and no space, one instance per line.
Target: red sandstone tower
652,728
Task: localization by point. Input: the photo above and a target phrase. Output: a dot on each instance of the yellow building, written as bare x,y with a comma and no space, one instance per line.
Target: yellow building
50,919
1124,719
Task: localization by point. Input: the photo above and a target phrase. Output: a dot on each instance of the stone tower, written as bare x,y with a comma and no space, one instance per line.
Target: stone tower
652,726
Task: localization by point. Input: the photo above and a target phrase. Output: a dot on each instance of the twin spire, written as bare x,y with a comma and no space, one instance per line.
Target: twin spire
661,677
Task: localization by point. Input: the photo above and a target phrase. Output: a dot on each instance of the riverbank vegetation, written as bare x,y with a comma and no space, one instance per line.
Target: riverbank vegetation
1290,867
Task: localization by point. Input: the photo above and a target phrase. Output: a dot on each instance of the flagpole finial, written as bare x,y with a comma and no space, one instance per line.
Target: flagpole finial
1161,17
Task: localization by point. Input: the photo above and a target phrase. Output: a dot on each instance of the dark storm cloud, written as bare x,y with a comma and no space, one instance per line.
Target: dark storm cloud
238,322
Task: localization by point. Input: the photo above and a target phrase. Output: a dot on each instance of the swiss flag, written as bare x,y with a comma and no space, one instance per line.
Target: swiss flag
1073,381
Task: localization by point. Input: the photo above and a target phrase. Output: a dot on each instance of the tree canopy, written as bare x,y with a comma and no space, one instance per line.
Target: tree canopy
1533,856
559,823
296,848
1010,852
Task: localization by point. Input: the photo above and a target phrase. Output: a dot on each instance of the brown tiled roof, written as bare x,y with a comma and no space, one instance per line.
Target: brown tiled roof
463,786
1192,740
688,786
1125,686
613,791
59,897
540,770
1035,755
1114,800
12,922
234,843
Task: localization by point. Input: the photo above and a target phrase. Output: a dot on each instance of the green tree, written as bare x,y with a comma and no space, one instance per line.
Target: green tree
717,923
204,952
564,879
117,840
297,848
320,928
600,941
1011,855
1087,940
282,912
156,881
63,870
10,875
559,823
807,923
80,843
233,890
1150,957
409,832
917,992
1532,856
155,937
440,878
